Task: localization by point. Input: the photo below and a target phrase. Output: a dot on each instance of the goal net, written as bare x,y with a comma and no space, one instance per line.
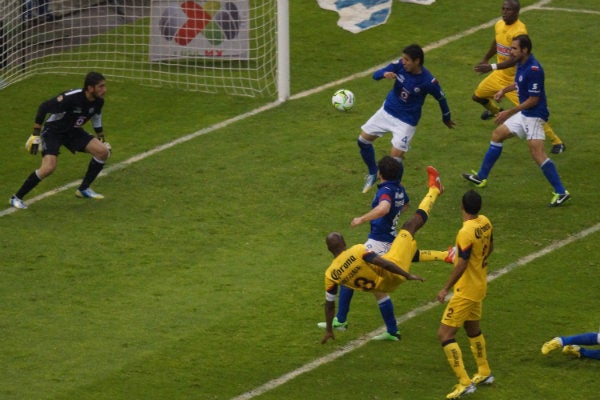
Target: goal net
226,46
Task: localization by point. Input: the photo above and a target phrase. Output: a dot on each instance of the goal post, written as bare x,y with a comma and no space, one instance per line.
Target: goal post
238,47
283,50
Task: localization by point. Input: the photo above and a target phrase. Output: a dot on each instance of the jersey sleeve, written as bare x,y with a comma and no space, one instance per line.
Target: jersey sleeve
463,245
393,67
53,106
331,288
435,89
97,122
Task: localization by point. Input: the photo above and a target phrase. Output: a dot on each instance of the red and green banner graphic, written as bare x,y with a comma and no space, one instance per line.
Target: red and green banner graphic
204,29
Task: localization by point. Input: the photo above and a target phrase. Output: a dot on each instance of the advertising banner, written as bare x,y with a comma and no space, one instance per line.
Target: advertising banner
199,29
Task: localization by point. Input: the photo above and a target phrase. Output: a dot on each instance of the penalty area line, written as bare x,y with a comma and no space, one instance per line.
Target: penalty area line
358,343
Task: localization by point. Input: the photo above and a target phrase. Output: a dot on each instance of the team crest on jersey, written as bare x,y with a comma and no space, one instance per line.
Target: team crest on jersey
77,110
91,110
417,90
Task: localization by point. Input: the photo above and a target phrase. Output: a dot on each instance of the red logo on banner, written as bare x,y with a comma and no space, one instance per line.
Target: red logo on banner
198,18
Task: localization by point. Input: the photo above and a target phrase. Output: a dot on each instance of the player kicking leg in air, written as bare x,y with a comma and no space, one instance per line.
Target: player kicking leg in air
361,269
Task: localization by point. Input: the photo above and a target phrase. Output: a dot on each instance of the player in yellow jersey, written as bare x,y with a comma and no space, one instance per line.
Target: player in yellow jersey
503,71
360,269
474,243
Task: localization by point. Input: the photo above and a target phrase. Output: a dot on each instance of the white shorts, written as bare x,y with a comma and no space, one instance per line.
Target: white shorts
378,247
382,122
526,127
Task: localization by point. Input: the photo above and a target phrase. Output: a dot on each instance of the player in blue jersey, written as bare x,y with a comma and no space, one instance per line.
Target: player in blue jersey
524,121
69,111
389,201
571,345
364,270
401,110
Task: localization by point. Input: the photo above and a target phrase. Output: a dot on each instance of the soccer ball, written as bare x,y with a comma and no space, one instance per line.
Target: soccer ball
343,100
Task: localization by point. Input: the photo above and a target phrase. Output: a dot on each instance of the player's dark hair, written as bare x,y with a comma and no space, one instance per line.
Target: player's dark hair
390,168
471,202
415,51
92,79
515,3
524,42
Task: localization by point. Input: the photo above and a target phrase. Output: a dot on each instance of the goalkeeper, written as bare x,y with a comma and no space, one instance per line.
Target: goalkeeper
69,111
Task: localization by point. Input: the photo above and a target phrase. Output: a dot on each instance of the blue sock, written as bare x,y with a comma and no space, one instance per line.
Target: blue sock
367,152
583,338
344,303
550,172
387,312
589,353
490,158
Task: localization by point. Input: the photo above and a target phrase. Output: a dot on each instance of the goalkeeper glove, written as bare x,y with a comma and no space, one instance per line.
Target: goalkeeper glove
33,143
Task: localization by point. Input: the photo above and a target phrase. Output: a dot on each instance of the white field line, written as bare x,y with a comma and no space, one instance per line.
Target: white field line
570,10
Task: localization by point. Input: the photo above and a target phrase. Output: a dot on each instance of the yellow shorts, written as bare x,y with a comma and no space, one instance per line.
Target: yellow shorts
401,253
460,310
494,82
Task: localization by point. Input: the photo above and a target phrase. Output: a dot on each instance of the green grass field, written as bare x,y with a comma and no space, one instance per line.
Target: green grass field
200,275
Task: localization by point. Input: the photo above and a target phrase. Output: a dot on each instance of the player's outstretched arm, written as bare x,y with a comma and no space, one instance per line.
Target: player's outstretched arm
392,267
329,314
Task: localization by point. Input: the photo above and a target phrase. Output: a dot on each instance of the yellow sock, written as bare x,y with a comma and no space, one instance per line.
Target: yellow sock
492,107
427,203
432,255
454,356
478,349
550,134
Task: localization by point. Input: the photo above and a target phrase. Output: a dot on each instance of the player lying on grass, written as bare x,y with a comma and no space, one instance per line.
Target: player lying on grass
571,345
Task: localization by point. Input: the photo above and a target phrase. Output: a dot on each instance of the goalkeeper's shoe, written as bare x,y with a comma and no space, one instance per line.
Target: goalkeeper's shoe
558,199
572,350
369,182
17,203
386,336
551,345
434,179
340,326
460,391
451,254
475,179
88,194
482,379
